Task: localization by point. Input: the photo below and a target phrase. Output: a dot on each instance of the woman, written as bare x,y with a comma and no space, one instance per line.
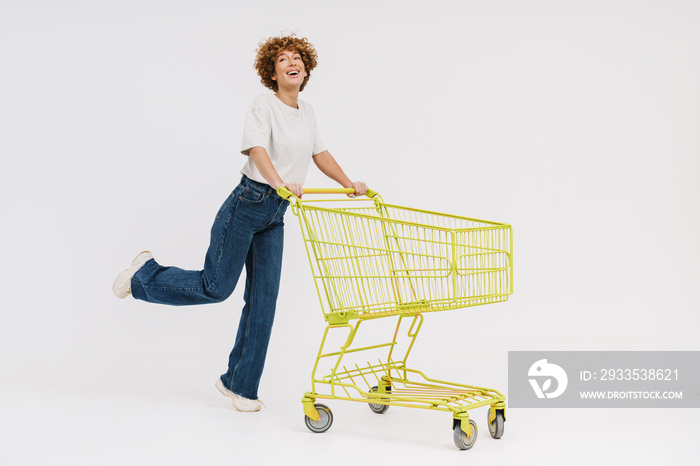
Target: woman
280,138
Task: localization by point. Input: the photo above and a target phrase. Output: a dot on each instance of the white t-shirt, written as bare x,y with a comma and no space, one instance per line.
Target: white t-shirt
289,135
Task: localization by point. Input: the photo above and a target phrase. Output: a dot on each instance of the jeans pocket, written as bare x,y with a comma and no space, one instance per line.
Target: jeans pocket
224,206
251,195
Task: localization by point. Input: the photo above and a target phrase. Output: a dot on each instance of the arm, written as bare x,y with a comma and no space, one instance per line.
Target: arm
267,170
329,167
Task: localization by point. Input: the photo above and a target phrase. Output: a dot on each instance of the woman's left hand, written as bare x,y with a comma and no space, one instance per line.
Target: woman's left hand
360,188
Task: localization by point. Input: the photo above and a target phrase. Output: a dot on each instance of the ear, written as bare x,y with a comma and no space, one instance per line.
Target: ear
274,77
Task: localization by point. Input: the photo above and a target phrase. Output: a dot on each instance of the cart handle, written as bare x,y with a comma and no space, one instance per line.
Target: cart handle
286,194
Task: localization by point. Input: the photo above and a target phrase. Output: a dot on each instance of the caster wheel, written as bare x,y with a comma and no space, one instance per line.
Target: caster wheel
376,407
496,427
322,424
461,440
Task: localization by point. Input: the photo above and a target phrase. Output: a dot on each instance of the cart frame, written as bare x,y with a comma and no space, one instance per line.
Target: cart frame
418,261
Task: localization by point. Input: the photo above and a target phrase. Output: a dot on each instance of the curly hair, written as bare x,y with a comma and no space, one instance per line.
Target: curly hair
268,51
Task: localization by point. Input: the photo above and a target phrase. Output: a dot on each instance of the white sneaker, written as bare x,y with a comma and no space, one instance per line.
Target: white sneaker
240,403
122,285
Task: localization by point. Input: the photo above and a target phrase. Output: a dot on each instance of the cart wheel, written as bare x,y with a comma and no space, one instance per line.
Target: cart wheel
496,427
376,407
461,440
322,424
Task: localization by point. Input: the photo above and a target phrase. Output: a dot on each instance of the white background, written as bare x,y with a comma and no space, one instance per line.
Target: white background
120,125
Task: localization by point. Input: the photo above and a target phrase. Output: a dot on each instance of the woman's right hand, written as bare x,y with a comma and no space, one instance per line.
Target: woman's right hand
295,188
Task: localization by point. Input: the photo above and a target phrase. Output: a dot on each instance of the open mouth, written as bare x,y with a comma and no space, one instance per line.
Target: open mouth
293,73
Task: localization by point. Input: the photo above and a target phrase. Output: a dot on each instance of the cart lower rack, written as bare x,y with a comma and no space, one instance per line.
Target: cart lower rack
371,260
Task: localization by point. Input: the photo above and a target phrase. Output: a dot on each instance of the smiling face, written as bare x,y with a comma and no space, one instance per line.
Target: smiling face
272,49
289,70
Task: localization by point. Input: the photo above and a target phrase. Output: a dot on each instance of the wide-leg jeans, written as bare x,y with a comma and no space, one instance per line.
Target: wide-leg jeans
249,229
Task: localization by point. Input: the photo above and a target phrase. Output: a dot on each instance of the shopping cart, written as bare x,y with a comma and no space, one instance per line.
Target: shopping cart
370,261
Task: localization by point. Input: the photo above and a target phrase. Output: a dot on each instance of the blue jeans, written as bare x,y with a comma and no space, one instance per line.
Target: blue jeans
248,229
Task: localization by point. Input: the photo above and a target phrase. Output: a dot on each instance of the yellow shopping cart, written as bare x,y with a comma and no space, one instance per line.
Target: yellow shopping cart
371,260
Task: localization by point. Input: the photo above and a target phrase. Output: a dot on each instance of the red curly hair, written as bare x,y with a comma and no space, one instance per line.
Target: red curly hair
268,51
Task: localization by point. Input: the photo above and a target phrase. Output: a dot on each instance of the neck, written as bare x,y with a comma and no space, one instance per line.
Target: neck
288,97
